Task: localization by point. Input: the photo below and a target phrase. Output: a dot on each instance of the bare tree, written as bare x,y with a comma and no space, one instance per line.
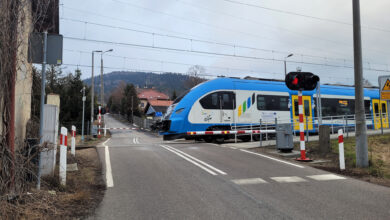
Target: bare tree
194,76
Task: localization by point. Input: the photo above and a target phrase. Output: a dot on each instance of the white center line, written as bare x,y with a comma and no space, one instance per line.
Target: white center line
109,179
248,181
191,161
197,160
271,158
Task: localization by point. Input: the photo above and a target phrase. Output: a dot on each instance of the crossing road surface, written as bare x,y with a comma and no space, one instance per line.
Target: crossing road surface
148,178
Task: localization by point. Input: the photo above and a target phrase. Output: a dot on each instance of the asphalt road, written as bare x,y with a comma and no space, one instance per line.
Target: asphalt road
153,179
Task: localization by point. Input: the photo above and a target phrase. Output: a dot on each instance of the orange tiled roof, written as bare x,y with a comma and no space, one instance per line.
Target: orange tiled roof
160,102
151,94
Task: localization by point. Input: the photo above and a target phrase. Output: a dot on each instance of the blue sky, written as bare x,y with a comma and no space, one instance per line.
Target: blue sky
231,37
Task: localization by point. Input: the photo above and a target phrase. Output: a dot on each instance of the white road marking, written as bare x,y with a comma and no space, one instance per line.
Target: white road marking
109,179
233,148
271,158
197,160
191,161
248,181
288,179
325,177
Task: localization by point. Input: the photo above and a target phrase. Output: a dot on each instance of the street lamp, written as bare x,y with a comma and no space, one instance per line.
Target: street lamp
92,87
285,65
101,77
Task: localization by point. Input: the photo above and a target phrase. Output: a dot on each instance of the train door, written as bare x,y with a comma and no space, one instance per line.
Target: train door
307,112
380,107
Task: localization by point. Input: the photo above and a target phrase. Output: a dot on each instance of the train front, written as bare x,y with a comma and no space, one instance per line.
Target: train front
171,126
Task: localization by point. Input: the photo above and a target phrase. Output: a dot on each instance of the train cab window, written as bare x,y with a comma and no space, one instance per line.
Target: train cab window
219,100
227,100
376,109
296,108
306,103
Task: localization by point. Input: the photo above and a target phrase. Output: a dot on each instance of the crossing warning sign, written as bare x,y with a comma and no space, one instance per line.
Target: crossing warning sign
384,87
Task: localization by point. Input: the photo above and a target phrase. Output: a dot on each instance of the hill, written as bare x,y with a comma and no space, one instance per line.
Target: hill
165,82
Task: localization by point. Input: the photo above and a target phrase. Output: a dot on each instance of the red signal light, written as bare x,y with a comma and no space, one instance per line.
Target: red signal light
295,81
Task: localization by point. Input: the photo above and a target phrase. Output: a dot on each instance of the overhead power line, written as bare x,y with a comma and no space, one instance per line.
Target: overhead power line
305,16
217,53
191,40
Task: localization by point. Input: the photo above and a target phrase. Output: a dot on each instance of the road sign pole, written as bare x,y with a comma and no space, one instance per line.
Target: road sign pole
301,129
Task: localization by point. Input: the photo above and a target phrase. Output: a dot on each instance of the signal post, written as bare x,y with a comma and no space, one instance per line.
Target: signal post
301,81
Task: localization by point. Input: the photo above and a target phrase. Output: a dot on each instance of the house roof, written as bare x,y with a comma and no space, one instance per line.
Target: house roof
160,102
151,94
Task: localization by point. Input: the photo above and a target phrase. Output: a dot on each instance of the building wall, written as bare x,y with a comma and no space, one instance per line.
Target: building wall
23,82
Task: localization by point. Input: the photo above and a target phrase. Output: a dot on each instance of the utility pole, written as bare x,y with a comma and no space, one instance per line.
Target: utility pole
361,129
101,77
82,123
285,63
42,113
92,88
101,81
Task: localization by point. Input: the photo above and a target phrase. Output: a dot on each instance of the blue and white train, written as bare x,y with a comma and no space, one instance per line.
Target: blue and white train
224,103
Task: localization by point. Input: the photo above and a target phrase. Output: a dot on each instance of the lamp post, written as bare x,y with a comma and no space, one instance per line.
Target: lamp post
82,123
101,77
92,88
285,65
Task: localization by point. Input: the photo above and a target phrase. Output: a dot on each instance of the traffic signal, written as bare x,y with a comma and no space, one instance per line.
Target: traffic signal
301,81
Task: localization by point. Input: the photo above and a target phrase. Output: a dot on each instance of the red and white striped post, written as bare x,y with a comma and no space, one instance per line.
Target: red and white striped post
301,129
73,141
63,146
99,120
341,149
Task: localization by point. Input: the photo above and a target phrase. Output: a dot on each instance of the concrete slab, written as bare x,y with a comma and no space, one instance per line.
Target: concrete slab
71,167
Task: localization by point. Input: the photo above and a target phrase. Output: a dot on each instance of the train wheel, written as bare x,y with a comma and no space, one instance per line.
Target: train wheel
219,140
208,139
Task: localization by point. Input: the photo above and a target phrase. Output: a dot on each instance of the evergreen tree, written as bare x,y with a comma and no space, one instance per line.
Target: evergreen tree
130,102
174,96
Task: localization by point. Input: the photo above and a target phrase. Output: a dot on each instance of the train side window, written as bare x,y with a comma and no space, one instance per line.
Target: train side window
306,103
272,103
376,109
283,102
367,105
384,109
261,102
296,107
210,101
228,100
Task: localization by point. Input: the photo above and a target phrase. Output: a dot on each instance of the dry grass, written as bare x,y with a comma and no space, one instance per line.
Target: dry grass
83,192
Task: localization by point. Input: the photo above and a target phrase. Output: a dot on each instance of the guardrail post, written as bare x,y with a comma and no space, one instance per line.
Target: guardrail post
341,150
261,135
381,122
251,132
307,130
73,141
63,146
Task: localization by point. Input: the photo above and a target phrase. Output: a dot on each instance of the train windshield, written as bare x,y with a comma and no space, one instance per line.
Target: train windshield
178,99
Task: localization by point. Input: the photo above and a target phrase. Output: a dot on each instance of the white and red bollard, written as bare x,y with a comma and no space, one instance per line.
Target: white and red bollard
302,130
73,141
341,149
99,121
63,146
